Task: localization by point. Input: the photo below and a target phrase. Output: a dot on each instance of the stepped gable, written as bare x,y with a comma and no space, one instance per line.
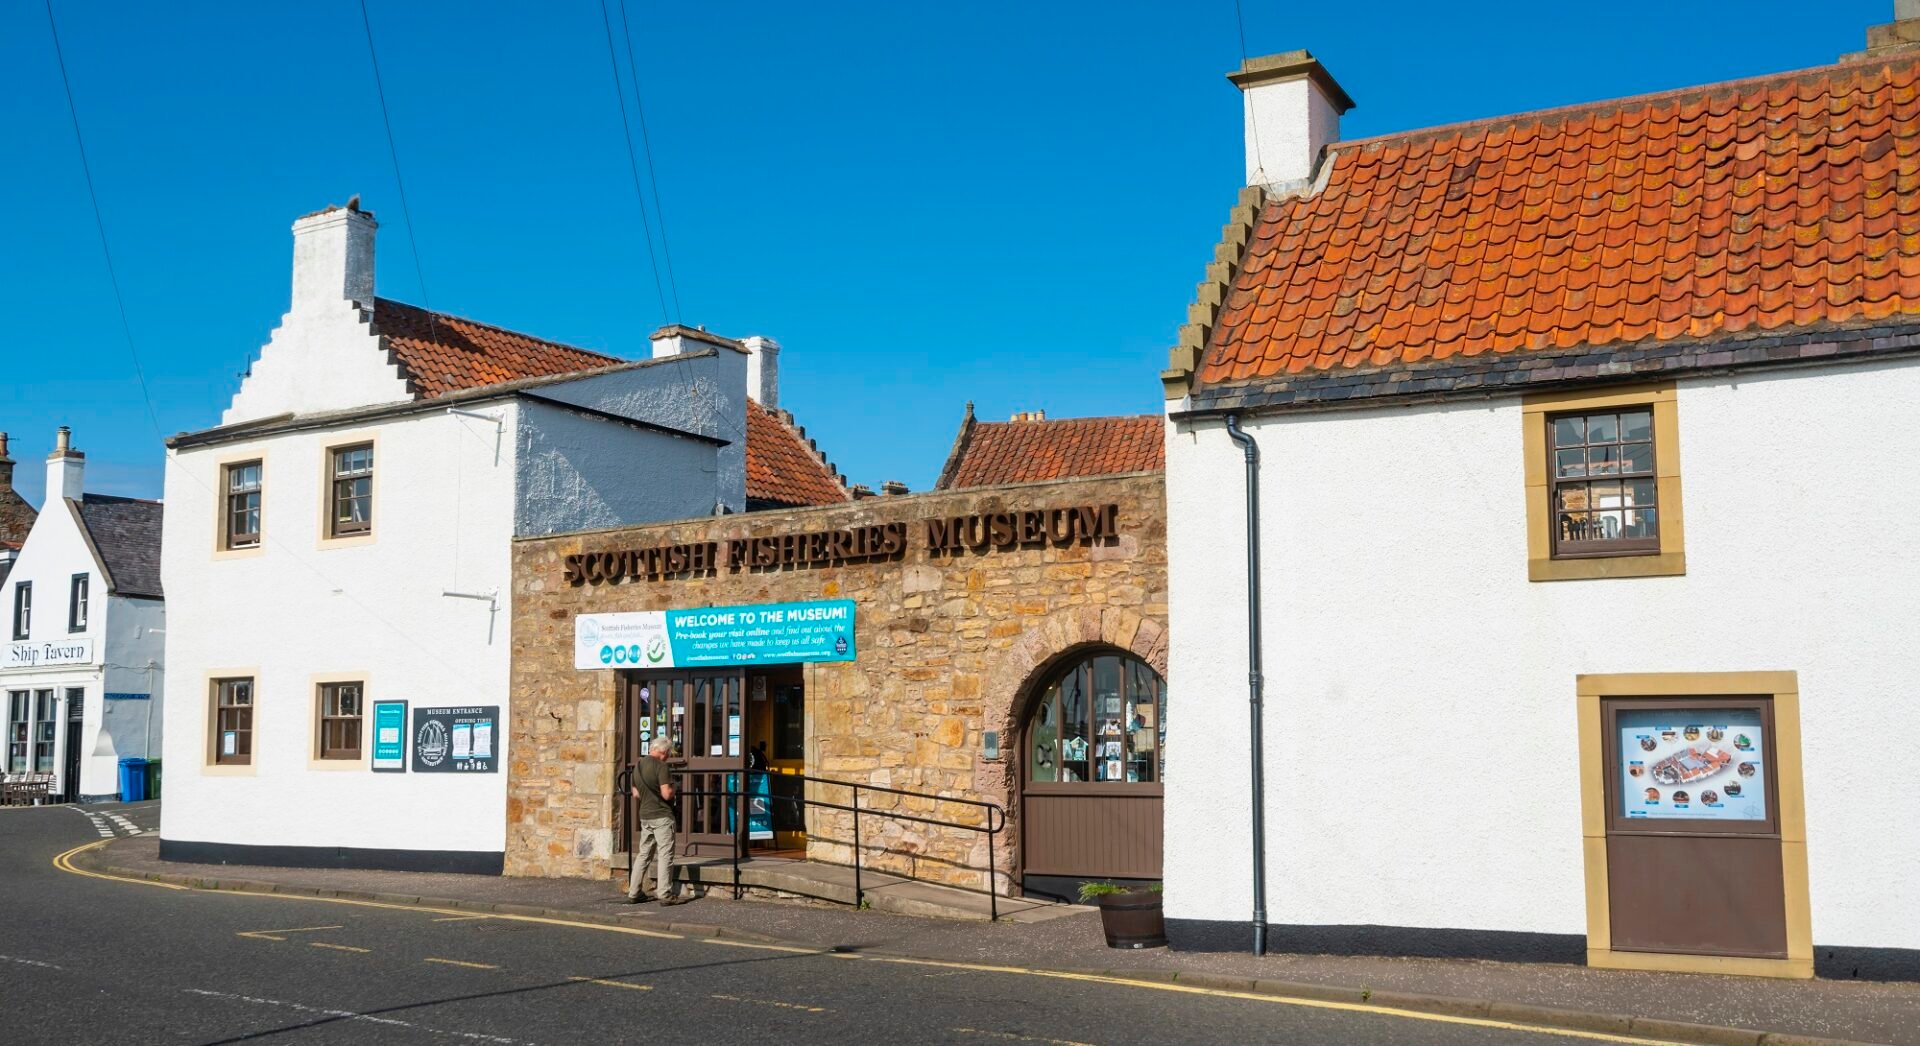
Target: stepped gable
784,467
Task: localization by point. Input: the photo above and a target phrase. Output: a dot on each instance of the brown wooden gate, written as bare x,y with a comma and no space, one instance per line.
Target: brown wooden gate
703,713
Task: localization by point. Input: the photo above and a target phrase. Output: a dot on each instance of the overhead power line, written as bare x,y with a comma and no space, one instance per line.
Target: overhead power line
646,144
393,151
633,163
100,224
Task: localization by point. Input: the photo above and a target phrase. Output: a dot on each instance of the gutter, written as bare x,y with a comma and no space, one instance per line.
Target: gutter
1257,746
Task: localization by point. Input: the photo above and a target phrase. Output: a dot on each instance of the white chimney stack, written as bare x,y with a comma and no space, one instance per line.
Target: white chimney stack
65,469
333,258
1293,109
763,370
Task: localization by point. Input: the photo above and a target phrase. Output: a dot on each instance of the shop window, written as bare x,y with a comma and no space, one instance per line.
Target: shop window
341,709
77,604
1102,720
22,609
43,731
18,725
240,522
233,721
1603,485
352,491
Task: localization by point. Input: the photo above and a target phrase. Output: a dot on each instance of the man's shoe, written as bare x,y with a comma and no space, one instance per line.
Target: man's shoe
678,898
640,899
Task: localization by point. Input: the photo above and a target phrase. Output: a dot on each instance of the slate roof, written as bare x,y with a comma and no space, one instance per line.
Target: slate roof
784,467
126,531
990,453
439,354
16,516
1779,206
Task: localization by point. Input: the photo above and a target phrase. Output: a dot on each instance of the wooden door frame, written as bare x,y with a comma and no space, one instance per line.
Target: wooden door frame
1789,797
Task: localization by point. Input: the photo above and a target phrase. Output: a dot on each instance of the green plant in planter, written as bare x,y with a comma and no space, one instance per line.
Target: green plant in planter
1090,893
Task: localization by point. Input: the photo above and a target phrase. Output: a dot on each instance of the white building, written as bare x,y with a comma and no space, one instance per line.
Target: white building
1517,703
82,667
341,541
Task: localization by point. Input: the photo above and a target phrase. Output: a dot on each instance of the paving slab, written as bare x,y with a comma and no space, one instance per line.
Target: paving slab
1647,1002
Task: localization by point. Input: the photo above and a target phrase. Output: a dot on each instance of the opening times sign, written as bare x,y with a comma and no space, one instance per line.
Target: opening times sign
717,637
456,740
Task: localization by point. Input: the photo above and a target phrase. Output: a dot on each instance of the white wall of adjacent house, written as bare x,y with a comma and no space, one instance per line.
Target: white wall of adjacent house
302,606
119,650
1421,737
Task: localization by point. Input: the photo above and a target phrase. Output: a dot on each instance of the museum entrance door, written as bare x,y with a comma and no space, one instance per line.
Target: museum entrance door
1693,827
777,736
702,712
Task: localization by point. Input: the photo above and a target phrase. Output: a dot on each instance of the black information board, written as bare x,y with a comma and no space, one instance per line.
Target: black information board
456,740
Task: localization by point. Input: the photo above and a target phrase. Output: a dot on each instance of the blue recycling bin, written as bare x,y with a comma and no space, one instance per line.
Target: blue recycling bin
133,779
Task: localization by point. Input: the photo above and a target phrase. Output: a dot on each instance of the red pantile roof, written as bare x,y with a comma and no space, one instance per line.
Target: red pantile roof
448,353
783,466
989,453
1771,205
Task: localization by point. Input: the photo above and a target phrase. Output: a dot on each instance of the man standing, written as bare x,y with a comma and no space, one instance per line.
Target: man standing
653,844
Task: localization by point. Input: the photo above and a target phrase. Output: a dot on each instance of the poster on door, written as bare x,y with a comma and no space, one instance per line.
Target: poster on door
1697,764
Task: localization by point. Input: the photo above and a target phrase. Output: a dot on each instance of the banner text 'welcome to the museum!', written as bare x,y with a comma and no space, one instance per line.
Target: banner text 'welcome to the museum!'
942,536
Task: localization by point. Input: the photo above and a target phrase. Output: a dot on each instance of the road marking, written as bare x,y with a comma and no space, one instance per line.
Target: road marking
613,984
352,1015
338,947
457,962
762,947
63,863
461,918
770,1002
268,935
30,962
1011,1037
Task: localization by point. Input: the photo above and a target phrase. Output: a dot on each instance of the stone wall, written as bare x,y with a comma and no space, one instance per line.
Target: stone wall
948,647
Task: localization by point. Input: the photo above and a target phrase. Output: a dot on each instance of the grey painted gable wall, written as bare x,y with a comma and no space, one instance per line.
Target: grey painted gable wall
575,472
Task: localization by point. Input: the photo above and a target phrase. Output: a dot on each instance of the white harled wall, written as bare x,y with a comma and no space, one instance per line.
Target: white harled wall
1422,765
443,520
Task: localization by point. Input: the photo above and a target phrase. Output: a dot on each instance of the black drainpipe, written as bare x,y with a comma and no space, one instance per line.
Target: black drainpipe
1258,754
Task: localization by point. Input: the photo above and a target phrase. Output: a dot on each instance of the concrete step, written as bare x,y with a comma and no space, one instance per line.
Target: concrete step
884,893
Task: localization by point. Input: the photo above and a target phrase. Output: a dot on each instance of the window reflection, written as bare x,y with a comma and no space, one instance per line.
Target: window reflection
1102,720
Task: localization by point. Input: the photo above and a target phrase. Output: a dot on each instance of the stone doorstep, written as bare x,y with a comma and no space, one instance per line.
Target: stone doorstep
884,892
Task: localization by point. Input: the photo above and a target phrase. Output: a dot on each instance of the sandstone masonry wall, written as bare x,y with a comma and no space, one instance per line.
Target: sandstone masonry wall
948,646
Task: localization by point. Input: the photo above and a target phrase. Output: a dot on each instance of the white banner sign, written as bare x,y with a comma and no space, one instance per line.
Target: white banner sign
47,655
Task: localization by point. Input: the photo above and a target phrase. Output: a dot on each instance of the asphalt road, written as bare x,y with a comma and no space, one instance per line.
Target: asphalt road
91,960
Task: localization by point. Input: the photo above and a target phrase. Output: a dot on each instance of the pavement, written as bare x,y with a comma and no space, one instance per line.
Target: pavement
1666,1007
88,956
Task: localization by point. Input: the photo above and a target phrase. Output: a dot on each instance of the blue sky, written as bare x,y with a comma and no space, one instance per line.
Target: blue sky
926,204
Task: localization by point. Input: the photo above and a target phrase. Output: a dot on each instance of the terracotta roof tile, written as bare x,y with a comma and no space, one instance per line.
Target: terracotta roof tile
450,353
783,466
1745,207
989,453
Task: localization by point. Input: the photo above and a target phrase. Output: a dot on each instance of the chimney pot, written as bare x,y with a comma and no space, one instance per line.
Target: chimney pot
65,468
893,486
859,491
1292,107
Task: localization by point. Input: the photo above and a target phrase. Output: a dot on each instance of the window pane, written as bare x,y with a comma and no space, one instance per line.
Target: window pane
1043,738
1142,723
1643,523
1603,428
1603,461
1570,462
1638,458
1569,432
1605,495
1073,727
1636,424
1640,492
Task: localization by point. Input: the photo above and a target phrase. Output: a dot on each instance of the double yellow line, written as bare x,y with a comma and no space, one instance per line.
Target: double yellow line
64,862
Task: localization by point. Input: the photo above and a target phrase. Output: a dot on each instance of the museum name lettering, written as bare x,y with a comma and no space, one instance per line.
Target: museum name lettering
942,536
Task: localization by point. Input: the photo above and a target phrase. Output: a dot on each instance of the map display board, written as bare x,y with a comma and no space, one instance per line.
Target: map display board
1697,764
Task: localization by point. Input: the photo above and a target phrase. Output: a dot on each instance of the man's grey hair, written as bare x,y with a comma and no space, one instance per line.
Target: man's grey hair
659,744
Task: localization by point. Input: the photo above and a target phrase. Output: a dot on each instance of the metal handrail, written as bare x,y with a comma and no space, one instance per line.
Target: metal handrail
995,815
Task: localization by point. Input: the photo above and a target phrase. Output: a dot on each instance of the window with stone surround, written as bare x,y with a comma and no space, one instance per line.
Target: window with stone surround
1603,484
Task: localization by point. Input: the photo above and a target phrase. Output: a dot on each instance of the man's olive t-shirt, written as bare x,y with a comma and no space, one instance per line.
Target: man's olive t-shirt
649,776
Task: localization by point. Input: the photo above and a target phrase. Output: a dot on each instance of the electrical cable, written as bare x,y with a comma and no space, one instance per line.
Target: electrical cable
1253,125
393,151
646,144
100,224
633,162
